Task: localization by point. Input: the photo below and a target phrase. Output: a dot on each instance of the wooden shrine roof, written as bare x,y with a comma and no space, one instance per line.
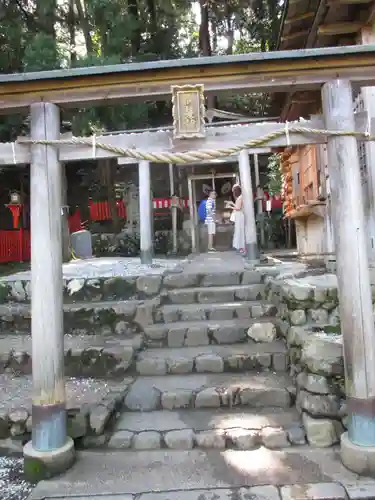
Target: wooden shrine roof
323,23
281,70
307,24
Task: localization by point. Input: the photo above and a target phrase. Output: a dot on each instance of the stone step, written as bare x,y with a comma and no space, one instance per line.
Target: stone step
200,474
207,429
199,333
213,359
215,312
198,391
214,294
94,287
124,318
85,356
188,279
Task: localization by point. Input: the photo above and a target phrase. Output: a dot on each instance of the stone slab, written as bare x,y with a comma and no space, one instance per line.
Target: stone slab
318,491
215,294
362,489
186,429
209,391
195,333
256,493
214,263
98,497
157,471
218,311
209,359
165,420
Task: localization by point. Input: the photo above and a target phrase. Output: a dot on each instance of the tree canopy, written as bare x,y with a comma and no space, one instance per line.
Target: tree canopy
49,34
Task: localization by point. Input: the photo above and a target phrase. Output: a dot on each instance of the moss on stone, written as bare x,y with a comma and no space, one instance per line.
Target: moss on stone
106,317
332,329
4,293
35,470
119,289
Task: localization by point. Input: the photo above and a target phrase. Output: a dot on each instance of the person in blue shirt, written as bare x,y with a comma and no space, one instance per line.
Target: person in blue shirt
210,219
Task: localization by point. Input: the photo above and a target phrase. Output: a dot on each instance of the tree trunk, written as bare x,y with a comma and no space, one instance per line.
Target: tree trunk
275,23
230,30
46,10
136,34
204,30
85,25
205,40
153,19
72,32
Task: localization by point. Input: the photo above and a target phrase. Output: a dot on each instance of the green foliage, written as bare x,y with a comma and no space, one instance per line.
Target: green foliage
274,175
42,53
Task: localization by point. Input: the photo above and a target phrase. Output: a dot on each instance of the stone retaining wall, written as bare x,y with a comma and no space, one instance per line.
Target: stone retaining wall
123,319
132,287
88,424
310,321
89,289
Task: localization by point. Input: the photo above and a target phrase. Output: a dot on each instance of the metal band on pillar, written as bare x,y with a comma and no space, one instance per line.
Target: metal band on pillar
145,212
357,323
252,251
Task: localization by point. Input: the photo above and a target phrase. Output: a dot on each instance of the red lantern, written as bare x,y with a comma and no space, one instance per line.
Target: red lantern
16,210
15,206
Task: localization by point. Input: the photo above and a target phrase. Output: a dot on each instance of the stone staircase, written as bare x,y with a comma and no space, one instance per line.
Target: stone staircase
200,350
211,372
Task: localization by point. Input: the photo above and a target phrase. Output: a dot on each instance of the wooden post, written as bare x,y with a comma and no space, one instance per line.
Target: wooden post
252,252
145,211
357,323
197,228
50,443
192,217
66,246
173,209
259,192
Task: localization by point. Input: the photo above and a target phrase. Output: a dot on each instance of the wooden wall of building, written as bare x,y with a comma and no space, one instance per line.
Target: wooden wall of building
305,175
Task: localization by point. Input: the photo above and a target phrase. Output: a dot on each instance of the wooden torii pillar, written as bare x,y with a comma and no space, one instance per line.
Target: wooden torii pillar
145,212
357,322
252,250
50,450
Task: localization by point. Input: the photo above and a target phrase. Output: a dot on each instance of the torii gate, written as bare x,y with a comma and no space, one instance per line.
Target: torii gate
332,69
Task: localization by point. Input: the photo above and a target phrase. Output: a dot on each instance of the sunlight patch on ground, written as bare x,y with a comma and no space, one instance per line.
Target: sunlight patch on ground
249,463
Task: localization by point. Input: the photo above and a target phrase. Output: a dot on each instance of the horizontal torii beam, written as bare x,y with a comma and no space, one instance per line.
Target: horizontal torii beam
279,71
217,138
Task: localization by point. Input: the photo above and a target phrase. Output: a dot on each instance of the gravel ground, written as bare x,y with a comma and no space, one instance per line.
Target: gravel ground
16,392
12,484
106,267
